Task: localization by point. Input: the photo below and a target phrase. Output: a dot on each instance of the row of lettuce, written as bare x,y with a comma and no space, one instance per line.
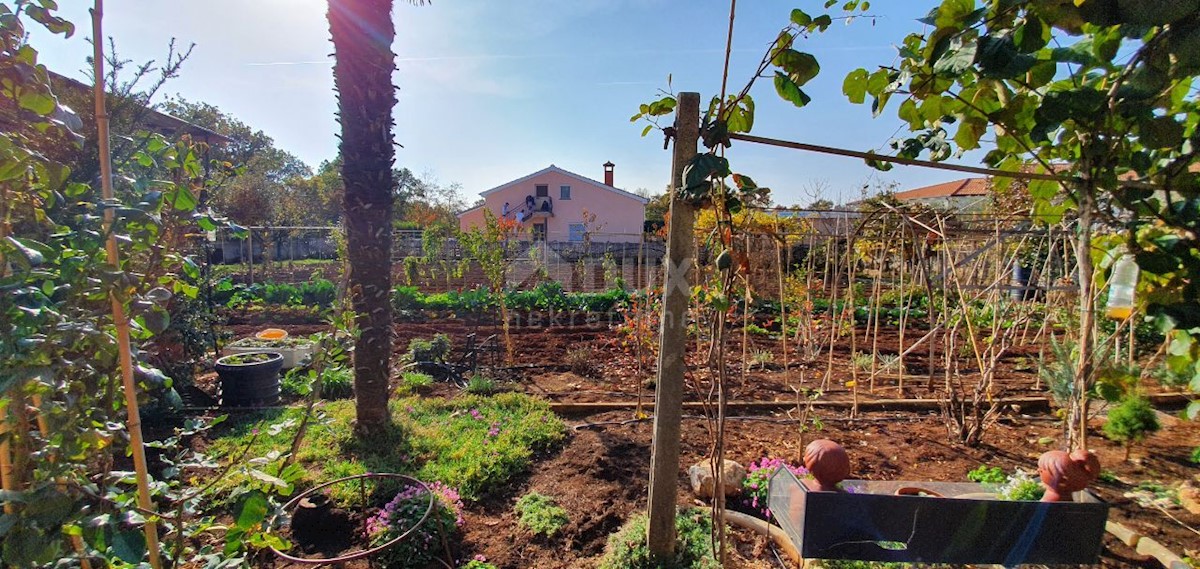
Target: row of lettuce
319,295
411,301
549,296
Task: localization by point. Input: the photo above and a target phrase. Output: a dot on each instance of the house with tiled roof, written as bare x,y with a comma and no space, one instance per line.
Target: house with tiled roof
966,195
556,205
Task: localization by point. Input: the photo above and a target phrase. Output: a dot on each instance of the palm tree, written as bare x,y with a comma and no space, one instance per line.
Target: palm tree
362,32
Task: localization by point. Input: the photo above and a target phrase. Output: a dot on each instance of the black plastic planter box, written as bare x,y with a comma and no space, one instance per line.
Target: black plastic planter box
869,522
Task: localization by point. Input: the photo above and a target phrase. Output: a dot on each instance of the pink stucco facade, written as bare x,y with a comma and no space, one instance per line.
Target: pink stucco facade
571,200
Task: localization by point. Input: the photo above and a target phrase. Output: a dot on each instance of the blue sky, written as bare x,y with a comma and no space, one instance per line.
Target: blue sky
491,91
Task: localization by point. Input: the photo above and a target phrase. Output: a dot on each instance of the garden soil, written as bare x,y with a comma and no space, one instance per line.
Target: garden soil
600,473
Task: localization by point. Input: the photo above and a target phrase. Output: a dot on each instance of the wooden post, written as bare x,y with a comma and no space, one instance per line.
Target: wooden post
120,320
250,246
668,390
1084,367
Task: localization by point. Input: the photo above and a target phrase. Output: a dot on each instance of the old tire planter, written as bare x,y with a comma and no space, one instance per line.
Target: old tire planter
291,508
252,384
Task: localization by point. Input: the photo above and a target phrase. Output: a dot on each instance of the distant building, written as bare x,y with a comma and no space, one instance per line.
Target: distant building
968,195
554,205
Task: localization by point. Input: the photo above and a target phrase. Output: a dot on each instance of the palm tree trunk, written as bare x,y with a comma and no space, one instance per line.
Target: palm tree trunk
362,32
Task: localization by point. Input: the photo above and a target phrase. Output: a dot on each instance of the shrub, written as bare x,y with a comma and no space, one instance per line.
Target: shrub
581,361
403,512
441,301
337,383
762,358
987,475
627,548
295,382
279,293
414,380
407,299
758,475
474,300
1196,455
432,350
863,360
1130,422
540,514
598,301
481,385
756,330
317,292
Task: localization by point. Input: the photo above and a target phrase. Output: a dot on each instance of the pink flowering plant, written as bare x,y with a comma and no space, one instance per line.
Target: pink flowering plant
758,474
403,512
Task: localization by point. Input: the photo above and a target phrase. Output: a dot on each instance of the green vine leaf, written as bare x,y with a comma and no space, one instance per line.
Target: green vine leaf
799,66
789,91
855,86
129,545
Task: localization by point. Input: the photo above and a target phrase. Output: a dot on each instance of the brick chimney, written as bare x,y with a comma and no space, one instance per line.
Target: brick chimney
608,173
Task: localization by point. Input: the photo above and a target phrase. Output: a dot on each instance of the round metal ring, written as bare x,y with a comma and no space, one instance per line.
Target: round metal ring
366,552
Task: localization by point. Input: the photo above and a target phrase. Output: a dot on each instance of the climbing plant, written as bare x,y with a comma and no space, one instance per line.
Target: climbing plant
709,184
61,428
1098,92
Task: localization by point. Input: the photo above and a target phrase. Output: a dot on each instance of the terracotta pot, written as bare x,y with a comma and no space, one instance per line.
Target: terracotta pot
828,463
1064,474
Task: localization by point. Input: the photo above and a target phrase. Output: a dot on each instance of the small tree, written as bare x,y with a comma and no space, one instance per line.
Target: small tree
489,246
1131,421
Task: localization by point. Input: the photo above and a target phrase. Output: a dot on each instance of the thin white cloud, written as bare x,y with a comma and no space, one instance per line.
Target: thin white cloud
563,55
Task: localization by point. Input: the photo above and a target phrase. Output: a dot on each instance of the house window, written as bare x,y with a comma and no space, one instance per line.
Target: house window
564,192
539,232
542,191
577,231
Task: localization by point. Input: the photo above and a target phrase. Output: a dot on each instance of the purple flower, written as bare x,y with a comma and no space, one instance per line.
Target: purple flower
758,476
476,414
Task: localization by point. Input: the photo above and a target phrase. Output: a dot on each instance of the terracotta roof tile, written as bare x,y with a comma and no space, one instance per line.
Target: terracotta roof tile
957,188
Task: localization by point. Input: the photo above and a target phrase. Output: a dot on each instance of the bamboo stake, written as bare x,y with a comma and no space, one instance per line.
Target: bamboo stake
851,275
44,428
903,314
746,315
783,331
877,300
134,421
6,466
833,313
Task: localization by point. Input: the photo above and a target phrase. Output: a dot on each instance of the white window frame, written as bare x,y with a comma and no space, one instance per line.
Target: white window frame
576,232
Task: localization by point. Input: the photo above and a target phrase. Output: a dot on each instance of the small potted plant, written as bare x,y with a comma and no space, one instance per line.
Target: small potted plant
295,351
250,379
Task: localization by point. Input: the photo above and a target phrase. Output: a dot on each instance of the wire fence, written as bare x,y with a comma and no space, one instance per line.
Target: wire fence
983,251
581,262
